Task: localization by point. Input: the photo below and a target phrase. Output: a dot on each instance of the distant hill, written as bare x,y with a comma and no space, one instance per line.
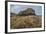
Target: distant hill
28,11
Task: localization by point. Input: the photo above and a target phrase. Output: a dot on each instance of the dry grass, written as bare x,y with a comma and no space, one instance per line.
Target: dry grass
25,22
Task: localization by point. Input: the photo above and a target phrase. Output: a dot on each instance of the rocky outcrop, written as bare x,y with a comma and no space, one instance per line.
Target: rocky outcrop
28,11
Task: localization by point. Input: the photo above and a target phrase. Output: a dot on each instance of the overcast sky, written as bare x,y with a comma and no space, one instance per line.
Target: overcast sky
18,8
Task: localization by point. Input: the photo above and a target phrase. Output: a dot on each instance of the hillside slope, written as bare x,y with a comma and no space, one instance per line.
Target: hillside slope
30,21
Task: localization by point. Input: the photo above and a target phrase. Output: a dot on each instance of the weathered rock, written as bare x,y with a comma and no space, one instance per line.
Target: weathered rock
28,11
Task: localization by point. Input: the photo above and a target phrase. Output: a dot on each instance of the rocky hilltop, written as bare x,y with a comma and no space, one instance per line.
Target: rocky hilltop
28,11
